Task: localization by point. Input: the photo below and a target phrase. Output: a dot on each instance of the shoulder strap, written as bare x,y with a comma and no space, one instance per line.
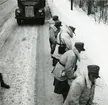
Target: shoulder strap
60,38
61,64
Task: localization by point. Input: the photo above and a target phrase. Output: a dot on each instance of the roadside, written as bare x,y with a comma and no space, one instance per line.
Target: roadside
6,30
3,1
85,27
7,8
44,78
18,65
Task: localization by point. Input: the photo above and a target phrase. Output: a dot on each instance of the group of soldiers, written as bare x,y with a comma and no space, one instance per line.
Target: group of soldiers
77,86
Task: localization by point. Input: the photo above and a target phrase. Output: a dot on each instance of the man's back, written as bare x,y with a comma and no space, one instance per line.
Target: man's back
79,93
68,59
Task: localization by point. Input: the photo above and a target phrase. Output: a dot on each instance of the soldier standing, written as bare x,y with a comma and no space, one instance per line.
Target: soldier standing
54,30
83,87
65,68
64,40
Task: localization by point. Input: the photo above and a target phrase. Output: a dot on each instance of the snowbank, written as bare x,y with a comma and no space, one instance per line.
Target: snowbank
94,35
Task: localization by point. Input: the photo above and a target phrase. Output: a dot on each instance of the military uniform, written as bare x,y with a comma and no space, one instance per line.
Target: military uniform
54,30
83,88
67,64
65,68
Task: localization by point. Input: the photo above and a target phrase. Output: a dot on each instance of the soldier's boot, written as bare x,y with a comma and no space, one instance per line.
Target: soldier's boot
4,85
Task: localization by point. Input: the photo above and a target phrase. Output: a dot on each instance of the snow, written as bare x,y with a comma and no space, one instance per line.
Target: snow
93,34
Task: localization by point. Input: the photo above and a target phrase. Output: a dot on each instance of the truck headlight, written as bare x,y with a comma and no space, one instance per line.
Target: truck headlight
18,11
40,10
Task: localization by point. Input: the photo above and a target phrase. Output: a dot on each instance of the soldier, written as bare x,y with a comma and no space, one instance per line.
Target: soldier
64,40
83,87
65,68
54,30
3,84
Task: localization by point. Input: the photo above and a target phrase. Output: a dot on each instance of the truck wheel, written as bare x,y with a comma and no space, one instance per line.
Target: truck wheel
19,21
42,21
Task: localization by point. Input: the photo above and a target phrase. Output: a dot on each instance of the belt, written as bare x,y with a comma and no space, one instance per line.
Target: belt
62,64
58,43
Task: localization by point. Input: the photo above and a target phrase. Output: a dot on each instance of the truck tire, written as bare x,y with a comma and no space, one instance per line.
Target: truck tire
42,21
18,21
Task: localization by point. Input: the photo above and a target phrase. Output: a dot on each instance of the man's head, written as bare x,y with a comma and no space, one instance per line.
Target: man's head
58,24
93,72
55,18
79,46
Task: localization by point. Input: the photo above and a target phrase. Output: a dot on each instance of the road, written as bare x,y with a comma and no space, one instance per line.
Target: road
25,62
45,94
18,62
7,7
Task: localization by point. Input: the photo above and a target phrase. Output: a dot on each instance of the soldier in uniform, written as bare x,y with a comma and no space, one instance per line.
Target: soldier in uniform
54,30
83,87
64,39
65,68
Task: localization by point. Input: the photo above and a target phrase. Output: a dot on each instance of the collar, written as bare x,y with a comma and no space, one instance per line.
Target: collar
77,54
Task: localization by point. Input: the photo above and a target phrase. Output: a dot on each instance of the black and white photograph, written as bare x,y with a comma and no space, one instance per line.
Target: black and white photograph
53,52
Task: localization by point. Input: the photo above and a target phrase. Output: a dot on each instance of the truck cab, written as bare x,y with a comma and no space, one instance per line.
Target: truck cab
30,9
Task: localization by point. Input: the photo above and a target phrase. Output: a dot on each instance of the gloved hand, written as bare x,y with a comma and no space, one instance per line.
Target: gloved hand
63,74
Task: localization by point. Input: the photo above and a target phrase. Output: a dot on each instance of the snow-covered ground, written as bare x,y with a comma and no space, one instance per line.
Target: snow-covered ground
3,1
93,34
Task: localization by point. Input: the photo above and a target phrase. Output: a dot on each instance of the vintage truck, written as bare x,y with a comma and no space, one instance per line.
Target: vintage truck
30,10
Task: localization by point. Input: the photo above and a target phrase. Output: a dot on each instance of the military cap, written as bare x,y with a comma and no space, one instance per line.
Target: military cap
79,45
58,23
94,70
55,17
